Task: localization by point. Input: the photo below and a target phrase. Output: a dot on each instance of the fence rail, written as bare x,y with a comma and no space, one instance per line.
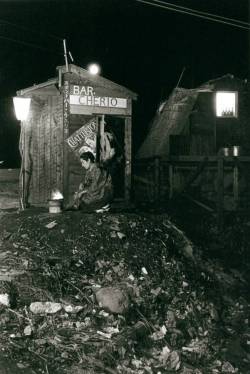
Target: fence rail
223,180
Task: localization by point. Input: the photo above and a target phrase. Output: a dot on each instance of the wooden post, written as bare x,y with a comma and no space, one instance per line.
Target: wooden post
21,177
99,137
171,180
236,182
128,157
220,192
66,113
157,183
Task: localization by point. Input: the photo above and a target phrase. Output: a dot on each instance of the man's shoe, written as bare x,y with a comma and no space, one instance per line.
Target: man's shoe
105,208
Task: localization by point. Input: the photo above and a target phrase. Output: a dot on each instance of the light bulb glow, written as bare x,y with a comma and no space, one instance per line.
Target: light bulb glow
56,195
21,106
94,69
226,104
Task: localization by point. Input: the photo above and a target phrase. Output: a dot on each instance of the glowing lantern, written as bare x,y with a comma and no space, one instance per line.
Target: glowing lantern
56,195
226,104
94,69
56,202
22,106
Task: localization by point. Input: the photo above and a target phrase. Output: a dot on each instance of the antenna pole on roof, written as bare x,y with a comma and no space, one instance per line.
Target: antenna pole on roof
65,55
71,57
181,76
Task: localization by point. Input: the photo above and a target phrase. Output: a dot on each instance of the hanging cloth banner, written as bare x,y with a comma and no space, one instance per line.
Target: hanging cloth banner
84,139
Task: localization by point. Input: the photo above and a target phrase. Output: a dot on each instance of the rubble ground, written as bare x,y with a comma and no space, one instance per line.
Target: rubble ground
119,293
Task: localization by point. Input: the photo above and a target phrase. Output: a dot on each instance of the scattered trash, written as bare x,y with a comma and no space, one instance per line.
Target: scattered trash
131,304
121,235
72,308
5,299
45,307
28,330
51,225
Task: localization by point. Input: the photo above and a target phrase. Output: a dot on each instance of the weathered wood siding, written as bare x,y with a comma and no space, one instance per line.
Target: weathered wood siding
202,126
47,161
43,147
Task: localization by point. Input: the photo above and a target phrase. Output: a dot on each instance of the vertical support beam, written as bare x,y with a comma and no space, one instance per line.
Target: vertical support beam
100,120
66,114
26,168
102,123
171,180
98,139
215,135
128,158
157,179
220,192
22,169
236,182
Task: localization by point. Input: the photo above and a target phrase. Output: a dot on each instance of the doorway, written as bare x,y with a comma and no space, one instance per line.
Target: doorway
116,127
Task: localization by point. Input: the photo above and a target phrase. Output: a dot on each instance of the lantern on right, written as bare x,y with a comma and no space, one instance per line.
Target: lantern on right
226,104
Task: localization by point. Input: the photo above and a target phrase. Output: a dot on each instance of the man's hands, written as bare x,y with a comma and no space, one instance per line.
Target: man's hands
78,194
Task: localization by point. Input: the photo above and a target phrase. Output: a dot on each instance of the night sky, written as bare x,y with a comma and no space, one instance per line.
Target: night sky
143,47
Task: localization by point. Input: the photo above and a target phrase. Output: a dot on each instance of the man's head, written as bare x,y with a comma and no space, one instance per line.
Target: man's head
87,158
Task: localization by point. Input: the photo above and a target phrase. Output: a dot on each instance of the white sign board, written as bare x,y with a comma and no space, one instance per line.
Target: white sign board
86,96
84,139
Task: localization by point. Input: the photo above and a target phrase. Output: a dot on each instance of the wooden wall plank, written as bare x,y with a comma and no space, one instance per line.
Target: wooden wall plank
58,115
66,113
128,157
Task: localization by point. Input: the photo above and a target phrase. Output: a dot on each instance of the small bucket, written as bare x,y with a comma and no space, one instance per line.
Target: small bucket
226,151
236,150
55,206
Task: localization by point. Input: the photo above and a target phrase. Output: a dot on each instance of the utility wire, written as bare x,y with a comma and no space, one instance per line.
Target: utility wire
3,22
202,13
191,13
30,44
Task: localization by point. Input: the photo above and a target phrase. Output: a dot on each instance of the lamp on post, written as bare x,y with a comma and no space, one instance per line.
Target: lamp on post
21,106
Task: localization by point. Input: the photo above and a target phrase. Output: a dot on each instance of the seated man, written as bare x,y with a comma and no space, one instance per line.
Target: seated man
96,190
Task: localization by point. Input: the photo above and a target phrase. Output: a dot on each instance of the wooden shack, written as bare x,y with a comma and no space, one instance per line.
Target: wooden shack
200,141
66,113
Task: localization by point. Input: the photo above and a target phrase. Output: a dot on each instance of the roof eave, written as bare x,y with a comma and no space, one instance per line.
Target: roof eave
25,91
85,74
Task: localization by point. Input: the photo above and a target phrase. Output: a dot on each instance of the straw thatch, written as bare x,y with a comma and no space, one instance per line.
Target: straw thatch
170,119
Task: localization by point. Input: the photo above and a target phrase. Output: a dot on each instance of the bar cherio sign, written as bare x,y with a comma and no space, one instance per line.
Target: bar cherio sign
86,96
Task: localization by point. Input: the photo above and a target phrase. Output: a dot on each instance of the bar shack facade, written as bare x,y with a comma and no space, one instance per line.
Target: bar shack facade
69,114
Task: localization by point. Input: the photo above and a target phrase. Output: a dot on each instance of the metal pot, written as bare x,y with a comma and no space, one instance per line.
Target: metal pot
55,206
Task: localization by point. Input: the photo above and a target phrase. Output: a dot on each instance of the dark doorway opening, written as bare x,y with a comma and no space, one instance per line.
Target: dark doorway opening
116,126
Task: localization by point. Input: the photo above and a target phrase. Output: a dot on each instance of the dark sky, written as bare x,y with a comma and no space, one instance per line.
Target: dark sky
139,46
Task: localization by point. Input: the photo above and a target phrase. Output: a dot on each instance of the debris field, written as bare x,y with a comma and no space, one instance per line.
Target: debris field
117,293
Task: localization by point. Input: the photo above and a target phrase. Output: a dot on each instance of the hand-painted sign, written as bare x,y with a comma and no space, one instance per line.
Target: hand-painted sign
85,95
84,139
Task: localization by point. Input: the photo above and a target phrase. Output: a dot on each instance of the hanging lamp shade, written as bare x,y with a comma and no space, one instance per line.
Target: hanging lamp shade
21,106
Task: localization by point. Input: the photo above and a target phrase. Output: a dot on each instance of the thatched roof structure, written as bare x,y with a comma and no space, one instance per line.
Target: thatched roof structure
171,119
173,115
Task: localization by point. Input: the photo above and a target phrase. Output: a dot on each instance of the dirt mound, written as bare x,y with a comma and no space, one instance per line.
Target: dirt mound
183,313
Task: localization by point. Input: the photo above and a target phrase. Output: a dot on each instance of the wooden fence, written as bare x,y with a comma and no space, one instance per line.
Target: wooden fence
9,188
216,183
